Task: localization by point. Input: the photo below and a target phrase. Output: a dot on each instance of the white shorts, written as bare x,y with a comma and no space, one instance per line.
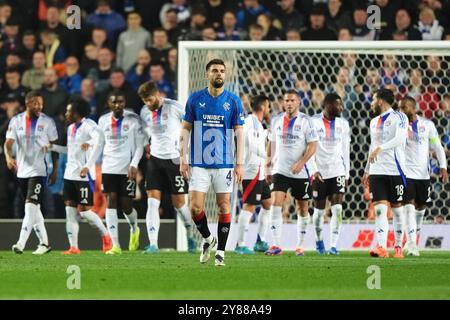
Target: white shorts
220,179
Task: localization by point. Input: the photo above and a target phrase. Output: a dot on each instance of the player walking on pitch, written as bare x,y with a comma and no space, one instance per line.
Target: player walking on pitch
122,151
385,170
422,138
31,131
292,143
333,168
162,123
256,191
79,175
211,116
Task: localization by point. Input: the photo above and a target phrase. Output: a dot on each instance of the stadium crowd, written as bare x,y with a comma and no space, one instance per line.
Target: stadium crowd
122,44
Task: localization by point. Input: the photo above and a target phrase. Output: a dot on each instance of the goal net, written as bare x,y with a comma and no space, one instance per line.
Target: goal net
351,69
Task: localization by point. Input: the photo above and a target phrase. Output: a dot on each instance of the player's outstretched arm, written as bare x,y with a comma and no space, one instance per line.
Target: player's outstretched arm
186,128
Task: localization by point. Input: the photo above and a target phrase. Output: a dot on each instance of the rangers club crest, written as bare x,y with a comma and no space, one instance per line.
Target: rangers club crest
226,106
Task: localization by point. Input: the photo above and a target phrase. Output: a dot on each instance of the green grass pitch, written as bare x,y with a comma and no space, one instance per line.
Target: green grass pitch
172,275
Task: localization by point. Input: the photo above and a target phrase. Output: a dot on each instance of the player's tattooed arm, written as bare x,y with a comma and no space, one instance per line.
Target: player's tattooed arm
184,139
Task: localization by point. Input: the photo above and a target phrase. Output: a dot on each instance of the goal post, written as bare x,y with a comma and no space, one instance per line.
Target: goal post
353,69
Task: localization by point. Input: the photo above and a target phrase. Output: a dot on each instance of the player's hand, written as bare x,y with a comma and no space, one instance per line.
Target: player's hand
297,167
238,173
318,176
373,156
85,146
52,178
132,173
147,151
84,172
269,179
184,170
365,180
47,148
443,175
12,164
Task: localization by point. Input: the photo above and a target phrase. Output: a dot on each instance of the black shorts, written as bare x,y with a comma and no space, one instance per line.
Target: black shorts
162,173
32,188
120,184
300,188
255,194
419,191
321,190
388,188
81,192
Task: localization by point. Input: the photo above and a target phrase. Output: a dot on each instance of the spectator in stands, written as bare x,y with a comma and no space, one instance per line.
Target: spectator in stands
230,30
345,35
5,14
248,15
318,29
437,74
29,46
53,22
269,31
415,87
402,24
336,17
369,86
171,70
289,16
388,8
157,74
429,26
34,77
139,72
100,74
71,81
182,8
293,35
198,20
131,42
13,86
161,45
390,73
88,94
104,17
54,97
214,11
208,33
342,86
318,96
52,47
10,39
99,38
89,59
117,82
172,27
359,29
13,60
256,32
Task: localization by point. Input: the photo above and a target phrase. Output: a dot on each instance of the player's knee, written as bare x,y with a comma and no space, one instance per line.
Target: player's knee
224,207
178,202
111,200
195,209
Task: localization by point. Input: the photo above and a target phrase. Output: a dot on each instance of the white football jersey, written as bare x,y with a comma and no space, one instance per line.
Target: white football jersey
422,135
388,131
86,131
163,127
333,148
124,142
31,135
291,137
255,148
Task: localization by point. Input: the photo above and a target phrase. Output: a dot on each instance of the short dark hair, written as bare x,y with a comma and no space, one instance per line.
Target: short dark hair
160,29
172,10
291,91
410,99
330,98
386,95
147,89
214,61
117,70
116,93
80,106
257,102
256,26
12,70
28,33
33,94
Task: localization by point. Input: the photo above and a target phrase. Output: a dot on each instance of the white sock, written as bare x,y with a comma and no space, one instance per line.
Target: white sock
94,221
221,253
72,226
335,224
276,225
132,219
410,224
27,223
152,220
419,220
185,215
112,222
39,228
398,221
243,222
381,224
302,224
263,223
317,219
